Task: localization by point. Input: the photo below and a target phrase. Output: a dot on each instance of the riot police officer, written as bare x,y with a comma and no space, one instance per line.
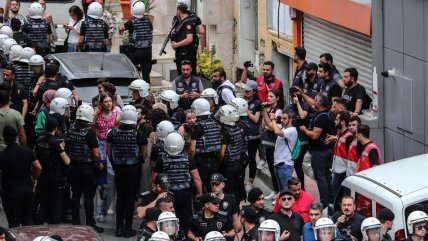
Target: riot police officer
214,236
51,183
83,149
176,114
180,171
159,236
269,230
23,70
211,95
140,39
162,130
38,29
210,220
140,93
169,223
126,149
206,140
231,150
94,31
148,225
183,37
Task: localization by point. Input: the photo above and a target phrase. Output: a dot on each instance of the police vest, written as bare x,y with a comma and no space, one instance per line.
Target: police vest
142,34
352,158
77,148
340,157
244,125
160,147
326,86
364,161
177,169
51,162
218,223
210,141
23,74
263,88
177,118
94,37
39,33
125,150
311,89
221,102
181,86
236,144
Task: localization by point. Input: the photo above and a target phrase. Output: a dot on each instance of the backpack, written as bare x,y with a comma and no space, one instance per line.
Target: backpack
296,151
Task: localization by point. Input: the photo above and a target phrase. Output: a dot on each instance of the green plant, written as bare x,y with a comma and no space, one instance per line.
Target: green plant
149,4
109,9
207,62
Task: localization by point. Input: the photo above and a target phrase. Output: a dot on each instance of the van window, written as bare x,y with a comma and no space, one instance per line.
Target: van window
422,206
365,205
378,208
343,191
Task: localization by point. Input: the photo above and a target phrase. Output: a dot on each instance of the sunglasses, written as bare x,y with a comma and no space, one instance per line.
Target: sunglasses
421,227
286,199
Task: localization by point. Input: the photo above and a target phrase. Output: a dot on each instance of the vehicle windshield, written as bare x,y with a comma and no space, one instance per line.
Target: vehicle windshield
421,206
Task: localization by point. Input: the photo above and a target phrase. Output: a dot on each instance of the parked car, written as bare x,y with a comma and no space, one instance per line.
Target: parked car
66,232
401,186
83,69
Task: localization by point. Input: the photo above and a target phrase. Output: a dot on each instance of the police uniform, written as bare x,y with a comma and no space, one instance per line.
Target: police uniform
145,233
244,124
200,226
177,117
38,30
208,139
140,44
181,86
126,143
177,168
157,151
231,166
80,141
188,52
50,185
95,32
261,216
228,205
251,235
23,74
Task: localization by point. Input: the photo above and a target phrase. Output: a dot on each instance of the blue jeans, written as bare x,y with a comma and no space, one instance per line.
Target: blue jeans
283,173
72,47
321,162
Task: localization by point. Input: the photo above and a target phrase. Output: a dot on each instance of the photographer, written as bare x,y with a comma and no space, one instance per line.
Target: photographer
347,218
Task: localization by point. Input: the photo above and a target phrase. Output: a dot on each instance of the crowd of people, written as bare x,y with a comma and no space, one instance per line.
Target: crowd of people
56,150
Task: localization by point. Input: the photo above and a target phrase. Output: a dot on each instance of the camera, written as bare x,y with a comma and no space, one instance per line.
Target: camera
292,90
248,64
265,105
278,120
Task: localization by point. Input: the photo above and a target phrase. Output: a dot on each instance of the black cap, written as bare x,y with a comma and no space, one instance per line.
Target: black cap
285,191
162,181
254,194
248,213
311,65
50,123
152,214
52,61
210,198
51,70
217,178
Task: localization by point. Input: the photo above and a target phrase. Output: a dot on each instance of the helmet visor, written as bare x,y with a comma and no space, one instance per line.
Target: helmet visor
420,228
326,234
215,239
170,227
266,236
374,234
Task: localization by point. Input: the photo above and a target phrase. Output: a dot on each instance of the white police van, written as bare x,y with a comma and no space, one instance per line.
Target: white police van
401,186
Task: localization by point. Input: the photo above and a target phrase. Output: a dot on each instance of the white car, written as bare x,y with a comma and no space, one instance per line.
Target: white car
401,186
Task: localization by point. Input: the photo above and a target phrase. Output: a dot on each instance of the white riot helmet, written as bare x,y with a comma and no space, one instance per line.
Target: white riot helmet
43,238
269,231
66,94
171,97
201,107
36,60
184,4
7,43
58,105
3,37
129,115
35,10
163,129
168,223
214,236
6,30
371,228
86,113
141,86
210,93
241,105
158,236
95,10
137,9
15,52
228,115
174,143
414,218
324,229
26,54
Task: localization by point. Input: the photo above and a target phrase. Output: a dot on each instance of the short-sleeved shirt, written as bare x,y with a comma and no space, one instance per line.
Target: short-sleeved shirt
22,39
354,222
293,224
130,26
48,85
284,146
147,197
201,225
228,205
9,117
373,155
17,95
15,164
187,27
262,215
325,121
351,95
83,30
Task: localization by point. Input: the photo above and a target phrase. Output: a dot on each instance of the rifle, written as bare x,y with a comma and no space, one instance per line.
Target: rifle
165,42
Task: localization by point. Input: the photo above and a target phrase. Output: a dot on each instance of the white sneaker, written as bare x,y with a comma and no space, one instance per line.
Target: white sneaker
262,164
271,196
110,211
101,218
249,186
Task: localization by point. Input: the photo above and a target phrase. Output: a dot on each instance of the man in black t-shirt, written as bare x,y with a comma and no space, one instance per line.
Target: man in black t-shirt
148,199
321,153
355,94
20,37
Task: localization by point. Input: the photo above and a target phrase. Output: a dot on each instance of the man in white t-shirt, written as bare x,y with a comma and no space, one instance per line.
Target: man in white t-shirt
284,146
